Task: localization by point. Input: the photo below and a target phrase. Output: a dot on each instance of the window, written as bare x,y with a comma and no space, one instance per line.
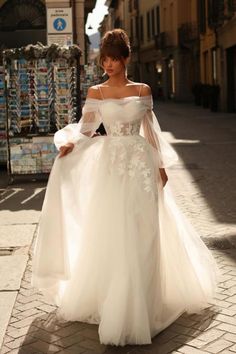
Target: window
131,29
202,15
153,23
137,28
157,20
206,67
130,5
231,6
148,26
141,29
214,66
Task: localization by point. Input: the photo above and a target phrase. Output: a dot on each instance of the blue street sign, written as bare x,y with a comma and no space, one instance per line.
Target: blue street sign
59,24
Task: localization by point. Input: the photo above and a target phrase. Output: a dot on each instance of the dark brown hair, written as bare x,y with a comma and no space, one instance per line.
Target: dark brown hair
115,44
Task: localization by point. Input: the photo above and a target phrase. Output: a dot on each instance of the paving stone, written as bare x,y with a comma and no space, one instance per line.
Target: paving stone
210,335
18,332
196,343
68,341
233,349
7,300
227,328
16,235
16,343
73,350
45,336
90,333
69,330
226,319
231,337
90,344
11,271
5,350
46,308
30,312
46,347
190,350
218,346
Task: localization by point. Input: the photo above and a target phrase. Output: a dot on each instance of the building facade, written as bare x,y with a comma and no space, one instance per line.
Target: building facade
23,22
217,23
177,44
164,37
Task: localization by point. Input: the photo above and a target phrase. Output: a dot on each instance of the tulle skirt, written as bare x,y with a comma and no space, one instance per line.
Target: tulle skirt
112,246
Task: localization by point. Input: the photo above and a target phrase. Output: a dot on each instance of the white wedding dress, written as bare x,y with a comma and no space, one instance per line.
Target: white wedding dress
112,246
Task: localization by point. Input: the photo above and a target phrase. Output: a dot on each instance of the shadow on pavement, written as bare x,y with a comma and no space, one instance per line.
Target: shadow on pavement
206,144
47,334
23,194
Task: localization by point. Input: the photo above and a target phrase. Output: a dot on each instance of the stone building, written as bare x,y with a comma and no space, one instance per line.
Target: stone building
165,43
177,43
217,22
23,22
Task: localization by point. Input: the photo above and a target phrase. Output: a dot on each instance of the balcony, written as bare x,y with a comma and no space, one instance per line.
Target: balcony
188,33
163,40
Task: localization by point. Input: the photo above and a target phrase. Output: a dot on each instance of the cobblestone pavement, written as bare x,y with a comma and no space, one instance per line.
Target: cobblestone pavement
203,182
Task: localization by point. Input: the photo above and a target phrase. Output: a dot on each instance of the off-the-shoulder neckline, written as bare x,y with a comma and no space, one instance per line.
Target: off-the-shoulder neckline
121,98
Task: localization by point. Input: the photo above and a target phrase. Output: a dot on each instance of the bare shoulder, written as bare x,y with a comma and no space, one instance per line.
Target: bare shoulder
93,92
145,90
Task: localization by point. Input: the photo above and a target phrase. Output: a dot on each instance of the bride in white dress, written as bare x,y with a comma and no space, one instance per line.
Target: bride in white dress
112,246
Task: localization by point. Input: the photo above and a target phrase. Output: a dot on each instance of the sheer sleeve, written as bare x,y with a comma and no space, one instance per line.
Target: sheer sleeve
86,127
150,129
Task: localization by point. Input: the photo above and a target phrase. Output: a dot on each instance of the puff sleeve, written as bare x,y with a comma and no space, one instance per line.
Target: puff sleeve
151,131
86,127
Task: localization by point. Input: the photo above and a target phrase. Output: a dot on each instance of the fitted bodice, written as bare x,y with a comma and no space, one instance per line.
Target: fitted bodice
122,117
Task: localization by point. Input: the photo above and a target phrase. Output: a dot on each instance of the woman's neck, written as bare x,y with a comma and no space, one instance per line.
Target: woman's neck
117,81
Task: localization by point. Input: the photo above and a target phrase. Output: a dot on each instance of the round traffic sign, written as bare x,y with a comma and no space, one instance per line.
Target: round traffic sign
59,24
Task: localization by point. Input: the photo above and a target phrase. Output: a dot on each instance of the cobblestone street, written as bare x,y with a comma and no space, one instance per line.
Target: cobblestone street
204,183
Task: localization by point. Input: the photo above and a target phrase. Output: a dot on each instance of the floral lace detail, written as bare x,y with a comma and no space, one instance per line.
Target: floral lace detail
120,129
130,159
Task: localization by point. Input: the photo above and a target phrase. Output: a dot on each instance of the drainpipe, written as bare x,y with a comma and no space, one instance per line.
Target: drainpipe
72,4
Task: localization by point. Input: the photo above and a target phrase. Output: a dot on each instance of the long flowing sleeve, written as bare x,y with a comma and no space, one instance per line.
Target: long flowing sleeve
86,127
150,129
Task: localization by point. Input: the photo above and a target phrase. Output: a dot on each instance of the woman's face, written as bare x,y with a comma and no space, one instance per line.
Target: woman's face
113,66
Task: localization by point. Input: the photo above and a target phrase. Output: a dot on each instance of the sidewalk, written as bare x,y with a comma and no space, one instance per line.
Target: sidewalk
204,183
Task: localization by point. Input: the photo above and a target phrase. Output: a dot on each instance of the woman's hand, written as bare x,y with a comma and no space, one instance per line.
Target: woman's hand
164,176
65,149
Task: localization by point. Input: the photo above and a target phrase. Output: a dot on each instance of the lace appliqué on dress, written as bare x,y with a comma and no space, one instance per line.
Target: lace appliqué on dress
121,129
129,159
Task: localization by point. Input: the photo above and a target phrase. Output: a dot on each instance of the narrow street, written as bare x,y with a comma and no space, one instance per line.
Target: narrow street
204,183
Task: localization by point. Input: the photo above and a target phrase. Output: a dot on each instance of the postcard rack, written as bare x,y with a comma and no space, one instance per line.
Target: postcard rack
41,96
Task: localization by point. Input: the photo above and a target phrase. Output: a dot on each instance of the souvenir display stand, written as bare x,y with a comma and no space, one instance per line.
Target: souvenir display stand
3,140
42,90
89,76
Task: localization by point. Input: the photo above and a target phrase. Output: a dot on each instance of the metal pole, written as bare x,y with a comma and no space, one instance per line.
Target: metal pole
7,118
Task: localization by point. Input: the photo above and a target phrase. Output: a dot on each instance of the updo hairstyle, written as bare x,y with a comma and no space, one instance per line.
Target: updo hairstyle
115,44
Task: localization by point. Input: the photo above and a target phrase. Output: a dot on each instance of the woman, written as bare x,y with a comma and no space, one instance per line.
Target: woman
112,247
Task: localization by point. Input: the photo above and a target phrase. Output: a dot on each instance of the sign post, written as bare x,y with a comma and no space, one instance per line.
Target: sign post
59,26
